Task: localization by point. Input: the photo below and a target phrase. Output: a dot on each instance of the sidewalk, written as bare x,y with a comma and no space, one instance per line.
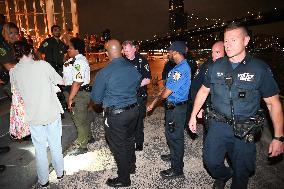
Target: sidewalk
20,162
92,169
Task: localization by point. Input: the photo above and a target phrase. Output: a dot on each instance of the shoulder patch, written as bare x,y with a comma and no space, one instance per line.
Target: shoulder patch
45,44
79,76
77,67
146,67
176,75
2,52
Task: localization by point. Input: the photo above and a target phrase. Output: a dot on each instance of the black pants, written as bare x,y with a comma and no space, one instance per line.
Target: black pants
175,136
119,131
139,133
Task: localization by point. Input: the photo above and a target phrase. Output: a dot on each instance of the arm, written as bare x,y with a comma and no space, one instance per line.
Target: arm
146,73
144,82
275,111
99,88
199,101
8,66
162,95
74,90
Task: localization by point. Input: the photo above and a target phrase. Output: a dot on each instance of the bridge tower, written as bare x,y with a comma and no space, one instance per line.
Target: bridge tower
177,16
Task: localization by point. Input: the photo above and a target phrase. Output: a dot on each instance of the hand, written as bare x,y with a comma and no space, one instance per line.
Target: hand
69,103
275,148
200,114
192,124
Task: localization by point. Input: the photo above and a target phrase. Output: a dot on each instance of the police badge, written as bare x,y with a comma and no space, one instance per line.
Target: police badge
176,75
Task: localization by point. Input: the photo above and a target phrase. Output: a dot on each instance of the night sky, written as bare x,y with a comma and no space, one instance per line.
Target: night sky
142,19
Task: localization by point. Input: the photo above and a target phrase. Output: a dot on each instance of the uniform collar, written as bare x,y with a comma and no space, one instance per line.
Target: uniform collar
78,56
246,60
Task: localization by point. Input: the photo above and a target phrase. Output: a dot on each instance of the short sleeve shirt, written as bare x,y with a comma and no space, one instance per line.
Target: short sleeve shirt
251,80
178,82
77,70
54,50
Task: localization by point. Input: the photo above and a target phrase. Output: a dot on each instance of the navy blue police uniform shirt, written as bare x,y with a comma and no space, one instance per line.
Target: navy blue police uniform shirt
142,66
54,51
178,82
198,80
116,85
252,80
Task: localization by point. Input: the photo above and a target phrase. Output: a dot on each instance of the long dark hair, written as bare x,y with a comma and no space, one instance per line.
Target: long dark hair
21,48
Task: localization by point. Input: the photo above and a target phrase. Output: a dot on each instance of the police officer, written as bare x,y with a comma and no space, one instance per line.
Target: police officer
217,51
176,92
236,83
76,75
54,49
7,59
10,34
130,50
115,88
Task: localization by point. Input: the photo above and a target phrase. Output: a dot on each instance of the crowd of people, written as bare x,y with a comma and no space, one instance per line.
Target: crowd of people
235,80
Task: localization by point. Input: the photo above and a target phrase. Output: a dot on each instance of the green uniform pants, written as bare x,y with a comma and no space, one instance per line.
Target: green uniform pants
81,118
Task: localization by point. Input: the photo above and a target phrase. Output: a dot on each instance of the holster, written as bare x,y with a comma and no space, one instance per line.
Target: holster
249,130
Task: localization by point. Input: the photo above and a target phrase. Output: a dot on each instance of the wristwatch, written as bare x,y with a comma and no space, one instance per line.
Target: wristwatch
281,138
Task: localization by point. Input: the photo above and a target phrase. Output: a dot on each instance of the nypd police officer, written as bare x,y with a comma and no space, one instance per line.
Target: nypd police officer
130,50
115,88
236,83
176,92
76,75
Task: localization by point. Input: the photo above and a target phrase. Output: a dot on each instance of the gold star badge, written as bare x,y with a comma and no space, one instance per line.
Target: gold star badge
177,75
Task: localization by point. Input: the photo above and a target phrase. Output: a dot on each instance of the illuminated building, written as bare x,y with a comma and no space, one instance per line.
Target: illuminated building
177,17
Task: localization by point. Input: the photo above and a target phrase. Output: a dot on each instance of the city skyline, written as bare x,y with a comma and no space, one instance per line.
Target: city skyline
142,20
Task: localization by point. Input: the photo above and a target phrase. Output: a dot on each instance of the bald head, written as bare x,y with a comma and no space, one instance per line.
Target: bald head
218,50
113,48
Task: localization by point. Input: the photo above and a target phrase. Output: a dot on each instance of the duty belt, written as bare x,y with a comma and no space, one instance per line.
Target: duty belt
87,88
114,111
171,105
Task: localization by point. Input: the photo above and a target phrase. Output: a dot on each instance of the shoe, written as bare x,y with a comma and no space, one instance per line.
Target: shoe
27,138
166,157
116,183
4,149
170,174
45,186
78,151
219,184
61,177
139,147
3,167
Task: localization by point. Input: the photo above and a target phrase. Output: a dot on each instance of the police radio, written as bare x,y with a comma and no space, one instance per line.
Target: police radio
229,83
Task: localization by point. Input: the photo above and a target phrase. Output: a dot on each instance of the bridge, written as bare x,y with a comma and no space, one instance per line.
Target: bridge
252,20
